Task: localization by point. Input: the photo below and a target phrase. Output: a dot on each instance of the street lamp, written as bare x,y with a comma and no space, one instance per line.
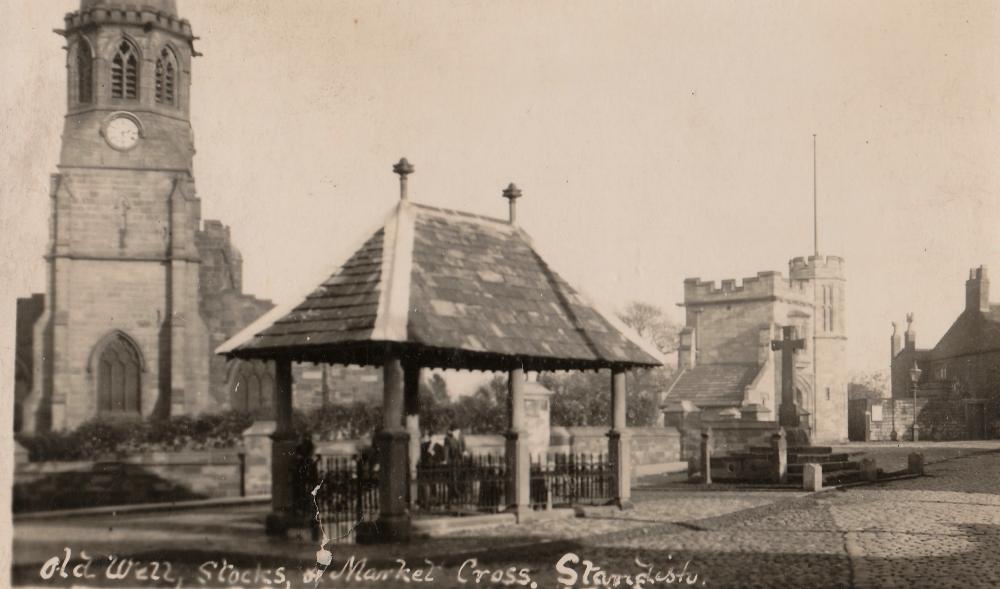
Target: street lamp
914,377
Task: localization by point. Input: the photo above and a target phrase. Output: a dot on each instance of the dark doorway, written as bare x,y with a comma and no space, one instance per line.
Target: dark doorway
975,420
858,416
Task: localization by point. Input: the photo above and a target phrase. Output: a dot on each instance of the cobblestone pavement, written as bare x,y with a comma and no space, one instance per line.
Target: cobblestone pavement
942,530
892,456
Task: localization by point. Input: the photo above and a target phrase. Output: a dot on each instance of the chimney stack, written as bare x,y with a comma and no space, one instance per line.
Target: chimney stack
404,169
977,291
512,193
895,340
910,337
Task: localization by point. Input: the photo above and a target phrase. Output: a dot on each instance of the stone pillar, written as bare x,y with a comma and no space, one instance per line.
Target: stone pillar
258,441
411,404
779,457
282,452
392,450
618,442
706,456
518,459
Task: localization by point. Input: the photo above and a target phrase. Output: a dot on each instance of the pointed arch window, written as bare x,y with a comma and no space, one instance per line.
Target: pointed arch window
84,72
118,372
252,388
125,72
166,78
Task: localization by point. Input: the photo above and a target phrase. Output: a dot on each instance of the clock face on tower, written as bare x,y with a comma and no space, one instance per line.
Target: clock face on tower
122,131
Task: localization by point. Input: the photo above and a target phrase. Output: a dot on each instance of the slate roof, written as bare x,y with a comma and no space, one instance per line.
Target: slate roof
441,280
713,385
974,332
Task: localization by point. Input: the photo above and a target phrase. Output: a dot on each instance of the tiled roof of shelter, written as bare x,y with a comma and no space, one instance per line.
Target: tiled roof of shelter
455,285
974,332
713,385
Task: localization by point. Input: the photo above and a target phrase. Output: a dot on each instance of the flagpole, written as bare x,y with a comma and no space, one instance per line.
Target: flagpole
815,204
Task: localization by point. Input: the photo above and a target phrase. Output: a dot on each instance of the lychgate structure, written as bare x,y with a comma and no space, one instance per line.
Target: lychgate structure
436,288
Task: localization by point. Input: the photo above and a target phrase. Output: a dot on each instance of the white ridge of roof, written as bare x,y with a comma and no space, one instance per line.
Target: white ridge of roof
268,319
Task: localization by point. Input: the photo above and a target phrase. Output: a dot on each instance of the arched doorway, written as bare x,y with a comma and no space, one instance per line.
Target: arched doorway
118,377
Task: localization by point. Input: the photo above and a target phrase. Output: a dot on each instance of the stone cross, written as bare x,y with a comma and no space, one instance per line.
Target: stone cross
788,414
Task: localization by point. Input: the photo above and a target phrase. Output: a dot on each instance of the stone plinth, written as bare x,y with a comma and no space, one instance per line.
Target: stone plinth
536,418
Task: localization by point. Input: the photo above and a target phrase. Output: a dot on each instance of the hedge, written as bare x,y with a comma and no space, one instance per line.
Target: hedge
103,436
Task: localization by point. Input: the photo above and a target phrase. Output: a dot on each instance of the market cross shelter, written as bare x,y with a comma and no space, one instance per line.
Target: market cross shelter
436,288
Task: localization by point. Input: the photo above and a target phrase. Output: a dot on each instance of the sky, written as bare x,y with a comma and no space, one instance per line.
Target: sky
653,141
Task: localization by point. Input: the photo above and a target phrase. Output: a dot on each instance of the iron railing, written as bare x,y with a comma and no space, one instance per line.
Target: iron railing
346,495
571,479
470,484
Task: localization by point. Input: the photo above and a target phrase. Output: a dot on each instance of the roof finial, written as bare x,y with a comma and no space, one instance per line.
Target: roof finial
512,193
404,169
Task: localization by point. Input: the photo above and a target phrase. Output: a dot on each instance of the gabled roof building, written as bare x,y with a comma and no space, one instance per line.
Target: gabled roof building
963,367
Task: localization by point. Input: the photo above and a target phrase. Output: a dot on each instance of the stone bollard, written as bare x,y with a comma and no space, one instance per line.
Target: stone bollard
706,456
779,457
915,463
812,477
869,470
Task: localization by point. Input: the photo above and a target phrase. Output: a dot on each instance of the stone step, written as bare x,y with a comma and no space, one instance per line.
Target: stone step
810,450
828,467
793,449
817,458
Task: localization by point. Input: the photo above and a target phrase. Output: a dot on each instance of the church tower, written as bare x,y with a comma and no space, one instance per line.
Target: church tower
121,333
824,278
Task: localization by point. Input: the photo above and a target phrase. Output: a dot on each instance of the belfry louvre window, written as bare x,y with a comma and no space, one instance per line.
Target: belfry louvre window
125,72
166,78
84,72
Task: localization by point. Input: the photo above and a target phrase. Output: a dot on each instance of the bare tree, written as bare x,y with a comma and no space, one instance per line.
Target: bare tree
651,323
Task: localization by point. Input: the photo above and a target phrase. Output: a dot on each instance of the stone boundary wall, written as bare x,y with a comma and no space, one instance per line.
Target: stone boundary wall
937,419
728,436
143,478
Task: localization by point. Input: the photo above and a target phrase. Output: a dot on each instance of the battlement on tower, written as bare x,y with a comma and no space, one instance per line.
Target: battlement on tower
764,285
802,268
127,14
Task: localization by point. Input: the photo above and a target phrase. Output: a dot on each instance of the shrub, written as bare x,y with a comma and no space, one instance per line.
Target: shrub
105,435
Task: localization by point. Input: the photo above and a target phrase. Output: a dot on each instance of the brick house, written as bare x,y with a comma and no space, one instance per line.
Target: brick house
958,393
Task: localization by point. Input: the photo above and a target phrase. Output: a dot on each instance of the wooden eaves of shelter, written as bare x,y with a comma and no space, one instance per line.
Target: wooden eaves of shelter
437,288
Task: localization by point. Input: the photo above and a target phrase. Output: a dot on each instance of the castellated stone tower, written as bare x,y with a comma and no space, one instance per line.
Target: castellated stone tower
727,368
121,331
824,277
